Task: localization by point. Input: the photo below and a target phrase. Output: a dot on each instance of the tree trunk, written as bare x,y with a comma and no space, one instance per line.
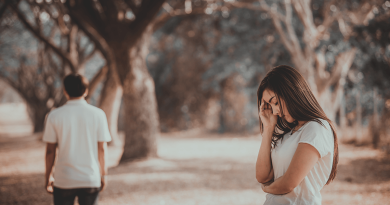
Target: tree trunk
343,120
222,126
375,128
110,101
37,113
140,104
358,116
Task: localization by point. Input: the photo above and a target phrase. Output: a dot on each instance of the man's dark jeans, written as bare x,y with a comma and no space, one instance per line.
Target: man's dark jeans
86,196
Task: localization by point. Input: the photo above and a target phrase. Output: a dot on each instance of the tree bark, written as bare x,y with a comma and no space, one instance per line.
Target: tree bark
110,101
358,124
375,127
141,116
37,112
124,44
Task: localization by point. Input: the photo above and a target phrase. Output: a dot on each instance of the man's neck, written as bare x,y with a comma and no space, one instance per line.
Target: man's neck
77,98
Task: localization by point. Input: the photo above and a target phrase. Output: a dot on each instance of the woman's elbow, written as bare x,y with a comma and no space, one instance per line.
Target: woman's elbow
262,179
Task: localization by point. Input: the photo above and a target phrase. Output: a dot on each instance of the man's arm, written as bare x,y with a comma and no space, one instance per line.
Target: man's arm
50,157
102,147
304,159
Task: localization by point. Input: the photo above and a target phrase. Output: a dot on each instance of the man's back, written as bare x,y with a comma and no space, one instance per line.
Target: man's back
77,127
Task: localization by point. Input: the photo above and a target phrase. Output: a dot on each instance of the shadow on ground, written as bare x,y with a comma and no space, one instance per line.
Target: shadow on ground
191,171
23,189
365,171
179,175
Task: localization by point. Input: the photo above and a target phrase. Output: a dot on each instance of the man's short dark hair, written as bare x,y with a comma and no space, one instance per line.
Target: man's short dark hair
75,85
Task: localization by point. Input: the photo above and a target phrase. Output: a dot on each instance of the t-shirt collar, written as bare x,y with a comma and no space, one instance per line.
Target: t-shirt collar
78,101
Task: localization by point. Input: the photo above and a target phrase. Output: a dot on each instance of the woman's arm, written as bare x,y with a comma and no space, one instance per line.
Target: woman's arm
304,159
264,170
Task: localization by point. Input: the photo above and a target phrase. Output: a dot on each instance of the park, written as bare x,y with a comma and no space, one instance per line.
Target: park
177,81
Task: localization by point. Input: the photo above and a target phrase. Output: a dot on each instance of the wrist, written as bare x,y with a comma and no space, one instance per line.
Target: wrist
268,130
47,178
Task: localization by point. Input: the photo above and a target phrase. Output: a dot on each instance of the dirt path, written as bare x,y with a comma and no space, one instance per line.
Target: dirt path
193,168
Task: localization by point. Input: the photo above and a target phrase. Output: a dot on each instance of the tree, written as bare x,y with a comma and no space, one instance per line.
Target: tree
373,63
305,29
40,68
122,29
221,58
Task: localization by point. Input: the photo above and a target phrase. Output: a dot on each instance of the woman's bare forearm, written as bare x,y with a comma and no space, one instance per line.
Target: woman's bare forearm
264,165
278,187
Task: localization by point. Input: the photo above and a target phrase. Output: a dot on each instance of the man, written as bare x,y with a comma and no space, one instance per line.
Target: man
80,133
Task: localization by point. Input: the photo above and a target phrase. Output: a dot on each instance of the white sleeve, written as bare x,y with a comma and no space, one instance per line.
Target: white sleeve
103,131
49,134
319,136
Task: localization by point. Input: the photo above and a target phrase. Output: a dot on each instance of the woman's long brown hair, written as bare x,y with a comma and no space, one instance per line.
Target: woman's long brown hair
289,85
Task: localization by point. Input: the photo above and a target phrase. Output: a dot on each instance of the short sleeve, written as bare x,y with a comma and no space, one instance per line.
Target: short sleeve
50,134
319,136
103,131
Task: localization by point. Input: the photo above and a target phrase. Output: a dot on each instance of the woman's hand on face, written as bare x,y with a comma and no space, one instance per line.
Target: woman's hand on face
268,119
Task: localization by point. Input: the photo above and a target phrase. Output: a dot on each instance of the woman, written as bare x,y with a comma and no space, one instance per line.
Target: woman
298,153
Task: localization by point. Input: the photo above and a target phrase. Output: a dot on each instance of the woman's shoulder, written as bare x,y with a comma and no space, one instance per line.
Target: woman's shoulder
319,134
318,125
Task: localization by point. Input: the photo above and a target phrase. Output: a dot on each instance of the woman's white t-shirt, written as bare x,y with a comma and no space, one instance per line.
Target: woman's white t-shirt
308,191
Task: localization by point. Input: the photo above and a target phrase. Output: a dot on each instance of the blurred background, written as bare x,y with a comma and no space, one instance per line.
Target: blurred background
177,80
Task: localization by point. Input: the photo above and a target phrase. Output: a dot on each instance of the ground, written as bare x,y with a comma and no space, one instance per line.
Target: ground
193,167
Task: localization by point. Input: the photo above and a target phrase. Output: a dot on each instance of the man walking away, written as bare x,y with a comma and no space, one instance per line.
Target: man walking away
80,133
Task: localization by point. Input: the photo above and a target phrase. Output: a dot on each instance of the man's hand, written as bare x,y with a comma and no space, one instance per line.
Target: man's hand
49,185
103,183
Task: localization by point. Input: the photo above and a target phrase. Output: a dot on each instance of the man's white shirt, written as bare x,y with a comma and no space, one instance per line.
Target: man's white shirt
77,127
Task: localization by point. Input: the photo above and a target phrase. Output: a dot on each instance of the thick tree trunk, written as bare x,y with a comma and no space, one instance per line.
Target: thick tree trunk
375,128
139,98
37,113
328,104
358,124
110,101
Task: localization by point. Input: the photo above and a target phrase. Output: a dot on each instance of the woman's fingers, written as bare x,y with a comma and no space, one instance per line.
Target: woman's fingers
261,109
266,106
265,110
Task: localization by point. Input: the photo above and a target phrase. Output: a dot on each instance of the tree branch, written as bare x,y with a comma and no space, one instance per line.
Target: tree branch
132,6
161,19
290,30
99,76
9,80
92,33
3,8
339,70
263,7
38,34
84,10
147,12
306,16
85,59
110,10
